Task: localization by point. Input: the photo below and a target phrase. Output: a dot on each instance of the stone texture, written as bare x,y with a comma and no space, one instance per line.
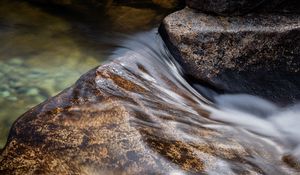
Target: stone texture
256,54
132,116
239,7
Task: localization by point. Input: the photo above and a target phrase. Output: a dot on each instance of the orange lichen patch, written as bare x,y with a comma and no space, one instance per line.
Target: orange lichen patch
174,152
179,153
32,160
103,152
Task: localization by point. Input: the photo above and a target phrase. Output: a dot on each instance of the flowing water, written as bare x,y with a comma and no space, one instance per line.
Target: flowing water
250,120
45,49
38,60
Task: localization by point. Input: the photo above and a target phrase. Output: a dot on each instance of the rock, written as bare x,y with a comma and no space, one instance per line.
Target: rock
5,94
139,14
238,7
127,18
74,2
256,54
132,116
169,4
115,15
32,92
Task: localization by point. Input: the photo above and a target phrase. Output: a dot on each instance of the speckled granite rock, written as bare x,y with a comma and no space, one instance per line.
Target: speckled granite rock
132,116
256,54
240,7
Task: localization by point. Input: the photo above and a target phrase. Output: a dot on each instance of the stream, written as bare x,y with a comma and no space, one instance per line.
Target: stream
253,120
45,52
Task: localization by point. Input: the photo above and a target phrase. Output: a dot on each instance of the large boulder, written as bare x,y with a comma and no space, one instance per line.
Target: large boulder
256,54
132,116
240,7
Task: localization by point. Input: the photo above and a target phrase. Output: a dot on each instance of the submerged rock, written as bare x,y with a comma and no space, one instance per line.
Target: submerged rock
256,54
132,116
40,56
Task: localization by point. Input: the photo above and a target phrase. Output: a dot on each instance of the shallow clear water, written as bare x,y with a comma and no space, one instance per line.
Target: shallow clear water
45,49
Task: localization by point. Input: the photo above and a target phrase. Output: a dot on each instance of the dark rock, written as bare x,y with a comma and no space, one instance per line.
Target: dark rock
74,2
120,16
239,7
256,54
168,4
131,116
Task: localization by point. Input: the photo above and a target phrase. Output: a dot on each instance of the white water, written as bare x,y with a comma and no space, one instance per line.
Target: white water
261,117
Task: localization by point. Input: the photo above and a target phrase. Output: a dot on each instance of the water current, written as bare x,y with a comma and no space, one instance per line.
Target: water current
255,131
254,123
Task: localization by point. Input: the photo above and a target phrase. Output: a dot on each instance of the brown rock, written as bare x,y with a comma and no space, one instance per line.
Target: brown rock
138,14
131,116
74,2
127,18
169,4
256,54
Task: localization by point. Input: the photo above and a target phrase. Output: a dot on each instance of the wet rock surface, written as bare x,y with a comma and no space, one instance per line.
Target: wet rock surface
45,47
238,7
132,116
256,54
